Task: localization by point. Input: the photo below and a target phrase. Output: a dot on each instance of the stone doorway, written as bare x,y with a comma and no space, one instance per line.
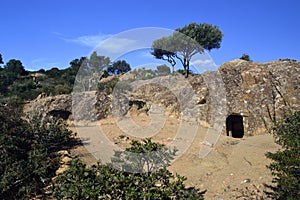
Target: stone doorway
235,126
60,114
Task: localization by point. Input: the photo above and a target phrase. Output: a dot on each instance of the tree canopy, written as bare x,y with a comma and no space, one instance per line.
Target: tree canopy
19,84
185,42
97,62
15,67
163,70
245,57
1,60
118,67
162,49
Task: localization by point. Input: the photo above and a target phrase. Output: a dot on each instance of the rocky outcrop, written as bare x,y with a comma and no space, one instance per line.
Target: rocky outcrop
250,95
261,92
58,106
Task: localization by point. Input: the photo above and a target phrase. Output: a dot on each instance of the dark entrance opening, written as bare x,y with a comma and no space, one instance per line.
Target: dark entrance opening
60,114
234,126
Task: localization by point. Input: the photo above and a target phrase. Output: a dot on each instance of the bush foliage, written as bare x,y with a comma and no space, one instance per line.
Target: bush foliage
108,182
246,57
286,162
28,158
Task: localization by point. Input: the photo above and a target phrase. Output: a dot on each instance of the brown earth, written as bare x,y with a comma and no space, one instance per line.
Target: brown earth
234,169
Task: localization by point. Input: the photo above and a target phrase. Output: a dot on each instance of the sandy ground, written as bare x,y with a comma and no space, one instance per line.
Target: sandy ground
233,169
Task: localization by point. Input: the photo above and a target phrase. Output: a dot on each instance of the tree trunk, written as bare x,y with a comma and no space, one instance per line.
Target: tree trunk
186,72
186,67
173,69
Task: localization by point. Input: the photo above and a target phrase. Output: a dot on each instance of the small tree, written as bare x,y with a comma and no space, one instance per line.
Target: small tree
119,67
186,42
143,73
96,63
245,57
16,67
163,70
286,162
288,59
91,70
163,49
69,74
1,60
54,72
143,157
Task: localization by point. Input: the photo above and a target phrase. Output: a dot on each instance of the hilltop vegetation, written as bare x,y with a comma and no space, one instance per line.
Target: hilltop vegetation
19,84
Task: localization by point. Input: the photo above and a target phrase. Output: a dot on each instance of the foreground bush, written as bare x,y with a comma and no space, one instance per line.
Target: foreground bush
28,158
286,162
106,182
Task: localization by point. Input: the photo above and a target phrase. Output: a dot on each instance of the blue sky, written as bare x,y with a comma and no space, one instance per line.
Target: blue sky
51,33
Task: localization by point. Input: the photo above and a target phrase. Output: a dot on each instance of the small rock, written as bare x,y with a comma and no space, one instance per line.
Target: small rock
248,180
207,143
208,173
63,153
123,137
158,184
65,160
62,169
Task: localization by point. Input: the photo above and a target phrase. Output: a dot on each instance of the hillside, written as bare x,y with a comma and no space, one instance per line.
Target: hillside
240,100
253,93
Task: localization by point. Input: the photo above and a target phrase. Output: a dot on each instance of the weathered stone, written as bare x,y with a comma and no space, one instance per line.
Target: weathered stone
49,106
258,92
261,92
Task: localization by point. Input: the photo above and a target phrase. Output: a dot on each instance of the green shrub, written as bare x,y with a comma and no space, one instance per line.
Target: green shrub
28,158
181,71
108,86
287,59
286,162
143,157
143,73
62,89
246,57
163,70
106,182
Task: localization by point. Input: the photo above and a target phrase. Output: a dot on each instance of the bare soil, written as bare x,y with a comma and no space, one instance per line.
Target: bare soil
234,169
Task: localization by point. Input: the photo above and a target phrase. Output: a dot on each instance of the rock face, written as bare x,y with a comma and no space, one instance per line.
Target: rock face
260,92
58,106
243,97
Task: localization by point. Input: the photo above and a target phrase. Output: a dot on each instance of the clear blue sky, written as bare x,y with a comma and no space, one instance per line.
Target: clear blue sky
51,33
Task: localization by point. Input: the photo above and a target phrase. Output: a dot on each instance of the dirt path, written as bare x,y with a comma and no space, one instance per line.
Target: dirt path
233,167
